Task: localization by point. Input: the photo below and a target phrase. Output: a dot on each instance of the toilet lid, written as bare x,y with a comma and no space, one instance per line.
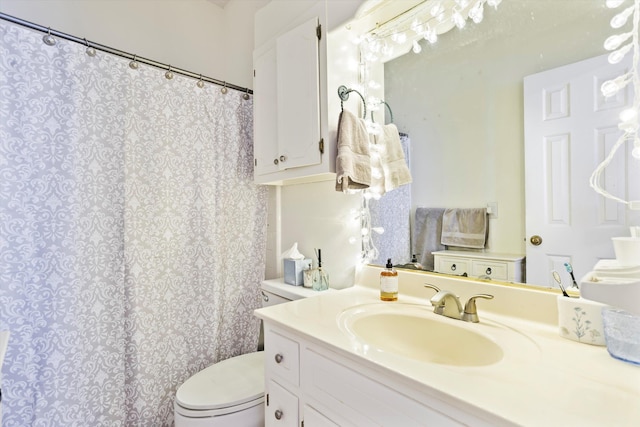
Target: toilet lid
231,382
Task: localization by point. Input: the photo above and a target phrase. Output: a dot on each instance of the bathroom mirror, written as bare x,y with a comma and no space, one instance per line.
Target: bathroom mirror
461,102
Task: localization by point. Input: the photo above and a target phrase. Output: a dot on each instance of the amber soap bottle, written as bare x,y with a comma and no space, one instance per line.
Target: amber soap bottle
389,283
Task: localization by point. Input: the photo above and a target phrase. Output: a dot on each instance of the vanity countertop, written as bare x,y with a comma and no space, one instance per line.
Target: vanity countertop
562,383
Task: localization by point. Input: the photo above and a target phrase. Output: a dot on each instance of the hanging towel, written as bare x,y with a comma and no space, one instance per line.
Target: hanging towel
466,228
427,233
394,166
353,164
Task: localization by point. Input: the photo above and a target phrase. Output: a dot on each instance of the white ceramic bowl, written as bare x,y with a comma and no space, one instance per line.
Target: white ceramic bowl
627,250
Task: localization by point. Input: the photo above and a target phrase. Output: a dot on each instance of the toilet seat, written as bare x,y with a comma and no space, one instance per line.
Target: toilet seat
225,387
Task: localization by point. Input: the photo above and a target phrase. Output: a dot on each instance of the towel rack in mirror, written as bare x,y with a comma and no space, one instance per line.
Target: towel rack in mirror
343,94
388,109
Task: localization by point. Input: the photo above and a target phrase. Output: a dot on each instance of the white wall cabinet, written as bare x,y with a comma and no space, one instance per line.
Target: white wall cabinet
287,105
496,266
333,390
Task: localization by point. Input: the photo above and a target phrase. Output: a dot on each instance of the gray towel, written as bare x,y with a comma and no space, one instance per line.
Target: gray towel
427,232
353,164
465,228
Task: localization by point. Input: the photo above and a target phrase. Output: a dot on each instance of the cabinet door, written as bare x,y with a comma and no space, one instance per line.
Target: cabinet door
281,409
265,131
298,96
313,418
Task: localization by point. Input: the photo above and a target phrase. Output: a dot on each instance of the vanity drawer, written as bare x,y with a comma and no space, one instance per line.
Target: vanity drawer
495,270
282,356
455,266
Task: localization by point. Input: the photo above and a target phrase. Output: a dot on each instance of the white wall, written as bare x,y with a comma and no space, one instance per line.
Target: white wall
195,35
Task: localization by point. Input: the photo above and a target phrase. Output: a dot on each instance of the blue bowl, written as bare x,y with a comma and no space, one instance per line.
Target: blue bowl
622,334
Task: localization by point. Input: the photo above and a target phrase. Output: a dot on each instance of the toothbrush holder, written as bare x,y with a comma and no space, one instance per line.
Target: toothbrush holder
580,320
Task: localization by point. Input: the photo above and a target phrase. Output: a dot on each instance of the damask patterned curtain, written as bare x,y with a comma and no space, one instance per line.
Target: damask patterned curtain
132,239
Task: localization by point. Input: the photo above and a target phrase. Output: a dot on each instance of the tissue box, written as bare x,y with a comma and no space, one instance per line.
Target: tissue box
293,269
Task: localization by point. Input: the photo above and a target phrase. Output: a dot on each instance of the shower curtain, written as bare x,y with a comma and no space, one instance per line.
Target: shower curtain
132,238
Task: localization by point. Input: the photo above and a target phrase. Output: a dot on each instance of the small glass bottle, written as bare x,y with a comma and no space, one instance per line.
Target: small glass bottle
389,283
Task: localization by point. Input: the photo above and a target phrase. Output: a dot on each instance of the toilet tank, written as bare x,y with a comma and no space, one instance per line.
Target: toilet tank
275,291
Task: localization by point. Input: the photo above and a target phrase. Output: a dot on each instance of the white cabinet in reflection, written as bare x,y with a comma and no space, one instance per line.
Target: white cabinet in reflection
487,265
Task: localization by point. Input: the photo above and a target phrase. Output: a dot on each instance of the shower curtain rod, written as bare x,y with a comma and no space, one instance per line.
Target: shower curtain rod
121,53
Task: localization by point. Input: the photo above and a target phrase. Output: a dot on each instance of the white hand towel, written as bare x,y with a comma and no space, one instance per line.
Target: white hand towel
353,164
394,166
466,228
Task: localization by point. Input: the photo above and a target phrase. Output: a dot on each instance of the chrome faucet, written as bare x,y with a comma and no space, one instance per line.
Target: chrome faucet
448,304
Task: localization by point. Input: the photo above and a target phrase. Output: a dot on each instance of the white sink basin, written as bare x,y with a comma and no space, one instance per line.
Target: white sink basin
415,332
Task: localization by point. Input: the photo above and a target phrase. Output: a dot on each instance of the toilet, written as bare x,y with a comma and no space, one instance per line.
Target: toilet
230,393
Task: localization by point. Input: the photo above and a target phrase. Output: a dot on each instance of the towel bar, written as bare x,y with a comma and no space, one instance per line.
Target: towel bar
343,94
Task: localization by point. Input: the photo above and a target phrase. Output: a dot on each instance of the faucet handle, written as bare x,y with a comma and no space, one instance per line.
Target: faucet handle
435,288
470,311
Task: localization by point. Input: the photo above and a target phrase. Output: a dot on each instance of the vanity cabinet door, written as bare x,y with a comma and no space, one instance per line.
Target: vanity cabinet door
281,409
313,418
351,398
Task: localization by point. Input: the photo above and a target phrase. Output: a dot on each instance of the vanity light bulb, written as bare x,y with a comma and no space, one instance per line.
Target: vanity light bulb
477,12
617,55
364,232
416,47
402,37
437,10
628,114
621,18
417,27
458,20
431,36
613,42
612,4
378,230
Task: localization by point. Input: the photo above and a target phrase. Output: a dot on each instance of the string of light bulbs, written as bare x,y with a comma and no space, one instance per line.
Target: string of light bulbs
629,117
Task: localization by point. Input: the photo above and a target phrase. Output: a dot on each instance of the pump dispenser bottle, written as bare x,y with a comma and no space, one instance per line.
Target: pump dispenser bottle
389,283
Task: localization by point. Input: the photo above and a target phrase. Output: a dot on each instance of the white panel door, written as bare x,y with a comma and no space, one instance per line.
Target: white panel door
569,128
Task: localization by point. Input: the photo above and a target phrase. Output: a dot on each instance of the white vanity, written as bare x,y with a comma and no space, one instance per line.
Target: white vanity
512,368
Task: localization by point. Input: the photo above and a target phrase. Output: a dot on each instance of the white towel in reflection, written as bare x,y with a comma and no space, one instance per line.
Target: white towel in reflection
353,164
394,166
465,228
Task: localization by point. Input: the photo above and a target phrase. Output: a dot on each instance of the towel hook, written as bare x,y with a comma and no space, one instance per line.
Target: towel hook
343,94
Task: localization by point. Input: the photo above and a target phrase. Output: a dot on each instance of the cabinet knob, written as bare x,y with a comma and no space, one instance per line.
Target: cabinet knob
283,158
276,161
279,358
453,267
278,414
488,271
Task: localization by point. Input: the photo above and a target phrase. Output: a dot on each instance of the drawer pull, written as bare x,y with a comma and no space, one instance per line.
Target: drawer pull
453,267
278,414
488,271
279,358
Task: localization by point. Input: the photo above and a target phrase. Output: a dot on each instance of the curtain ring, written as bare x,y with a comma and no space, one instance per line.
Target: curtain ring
90,50
200,83
134,64
48,39
246,95
224,89
169,74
